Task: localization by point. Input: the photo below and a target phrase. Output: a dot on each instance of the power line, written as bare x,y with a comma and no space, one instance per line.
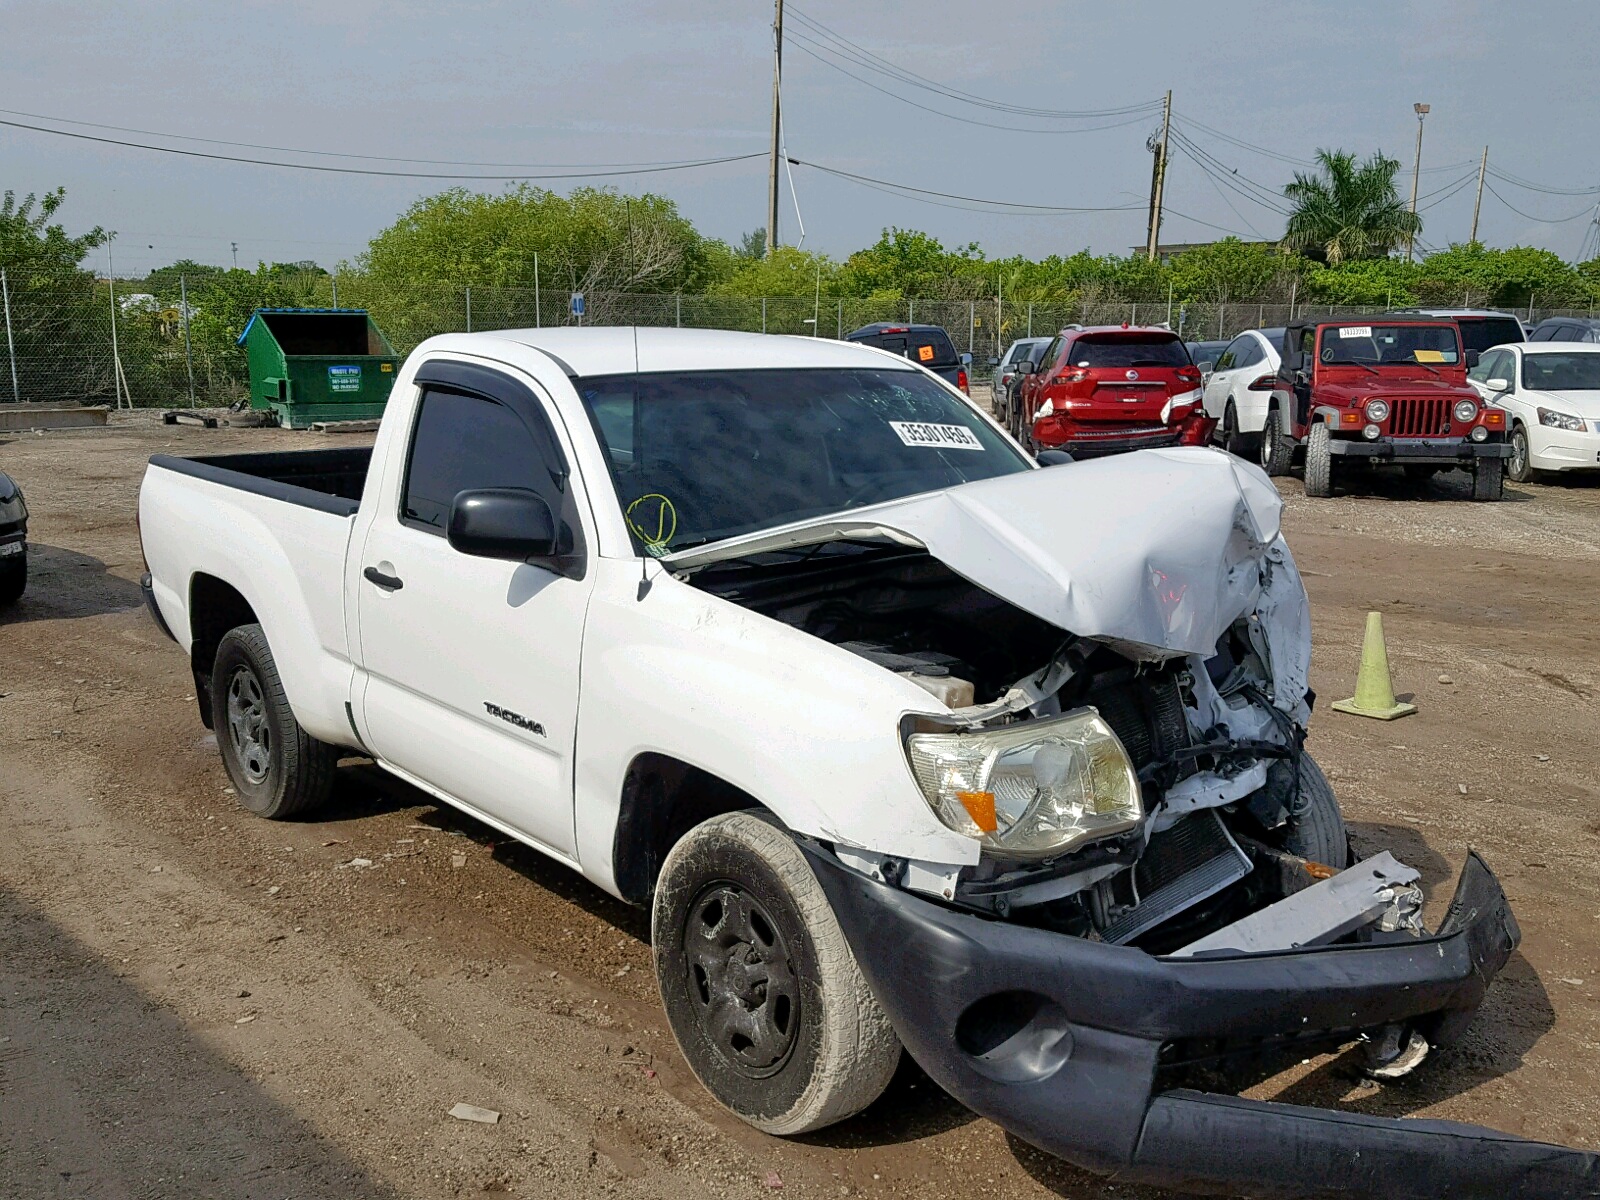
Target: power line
797,38
865,58
434,162
261,162
1584,212
916,192
1507,177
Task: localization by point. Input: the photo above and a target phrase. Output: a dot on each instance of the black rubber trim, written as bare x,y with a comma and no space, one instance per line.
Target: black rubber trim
148,591
350,715
1420,451
987,1007
252,473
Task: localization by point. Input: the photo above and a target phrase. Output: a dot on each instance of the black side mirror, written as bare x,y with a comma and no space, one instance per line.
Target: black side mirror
1025,367
1053,458
510,523
1472,358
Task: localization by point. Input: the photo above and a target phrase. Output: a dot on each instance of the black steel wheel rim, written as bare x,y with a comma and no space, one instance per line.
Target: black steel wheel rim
742,984
248,727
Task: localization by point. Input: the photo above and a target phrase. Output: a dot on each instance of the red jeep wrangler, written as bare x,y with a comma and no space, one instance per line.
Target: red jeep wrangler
1381,390
1112,388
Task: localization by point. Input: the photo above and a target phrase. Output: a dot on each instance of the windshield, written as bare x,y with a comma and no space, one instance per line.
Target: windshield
1479,333
698,456
926,347
1428,345
1573,372
1129,350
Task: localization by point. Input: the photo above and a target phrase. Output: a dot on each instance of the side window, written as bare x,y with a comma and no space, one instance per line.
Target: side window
465,441
1308,347
1490,366
1541,334
1047,357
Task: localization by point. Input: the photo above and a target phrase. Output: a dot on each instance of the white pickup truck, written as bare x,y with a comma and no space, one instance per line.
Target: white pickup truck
905,739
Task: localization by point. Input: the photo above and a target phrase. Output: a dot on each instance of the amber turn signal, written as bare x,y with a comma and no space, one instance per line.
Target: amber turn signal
980,807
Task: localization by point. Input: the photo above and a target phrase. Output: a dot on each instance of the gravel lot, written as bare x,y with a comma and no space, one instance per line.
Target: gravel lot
197,1003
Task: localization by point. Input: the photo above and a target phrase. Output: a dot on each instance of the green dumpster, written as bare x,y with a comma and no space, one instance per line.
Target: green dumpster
318,364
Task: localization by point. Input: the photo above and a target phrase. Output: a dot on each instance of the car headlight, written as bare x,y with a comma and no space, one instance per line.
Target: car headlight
1560,420
1377,410
1466,410
1031,790
13,510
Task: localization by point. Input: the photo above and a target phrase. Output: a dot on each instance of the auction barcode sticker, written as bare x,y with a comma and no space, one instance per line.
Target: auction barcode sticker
1350,331
940,437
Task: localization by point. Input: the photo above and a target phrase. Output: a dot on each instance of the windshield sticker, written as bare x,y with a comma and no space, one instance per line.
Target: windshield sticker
925,353
1355,331
1426,356
653,520
939,437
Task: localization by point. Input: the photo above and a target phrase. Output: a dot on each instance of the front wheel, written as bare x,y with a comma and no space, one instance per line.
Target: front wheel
1316,828
1319,462
1488,479
277,768
1519,467
763,994
1277,445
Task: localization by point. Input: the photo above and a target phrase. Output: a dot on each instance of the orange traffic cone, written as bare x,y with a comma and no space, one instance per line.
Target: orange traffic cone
1374,691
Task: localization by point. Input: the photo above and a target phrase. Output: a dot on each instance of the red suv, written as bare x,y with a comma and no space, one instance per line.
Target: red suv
1112,388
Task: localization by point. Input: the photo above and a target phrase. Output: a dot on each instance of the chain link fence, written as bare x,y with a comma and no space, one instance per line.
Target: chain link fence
107,341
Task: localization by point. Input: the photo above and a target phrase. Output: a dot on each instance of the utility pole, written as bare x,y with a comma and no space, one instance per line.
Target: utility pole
777,125
1416,170
235,246
1477,204
1158,179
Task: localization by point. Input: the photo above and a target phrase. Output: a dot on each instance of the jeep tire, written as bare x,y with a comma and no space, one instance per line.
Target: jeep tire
1277,445
761,989
1488,479
277,768
1319,462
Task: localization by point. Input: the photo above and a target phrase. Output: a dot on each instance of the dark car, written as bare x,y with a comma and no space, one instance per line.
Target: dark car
1480,327
13,541
926,345
1566,329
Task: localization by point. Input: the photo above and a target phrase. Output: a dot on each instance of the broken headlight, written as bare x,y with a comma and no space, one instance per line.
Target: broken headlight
1032,790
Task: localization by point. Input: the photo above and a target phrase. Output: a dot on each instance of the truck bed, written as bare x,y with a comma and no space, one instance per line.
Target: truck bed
330,481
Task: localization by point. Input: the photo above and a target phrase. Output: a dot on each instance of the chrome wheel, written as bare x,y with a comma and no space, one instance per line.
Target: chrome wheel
1517,465
746,996
248,727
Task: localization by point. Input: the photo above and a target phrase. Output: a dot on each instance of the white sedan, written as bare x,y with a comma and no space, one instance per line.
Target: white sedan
1552,391
1240,384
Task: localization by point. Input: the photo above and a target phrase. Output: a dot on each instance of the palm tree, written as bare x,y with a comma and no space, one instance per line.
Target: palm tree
1347,210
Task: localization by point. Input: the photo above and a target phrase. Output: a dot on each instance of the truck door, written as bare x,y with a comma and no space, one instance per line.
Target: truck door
471,664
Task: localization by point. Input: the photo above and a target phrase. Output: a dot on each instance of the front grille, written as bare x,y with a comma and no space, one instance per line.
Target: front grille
1420,416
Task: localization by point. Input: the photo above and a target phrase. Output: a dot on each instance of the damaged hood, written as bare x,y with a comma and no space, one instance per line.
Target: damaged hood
1158,551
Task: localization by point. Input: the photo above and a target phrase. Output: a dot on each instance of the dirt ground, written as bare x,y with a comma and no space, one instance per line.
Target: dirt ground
194,1002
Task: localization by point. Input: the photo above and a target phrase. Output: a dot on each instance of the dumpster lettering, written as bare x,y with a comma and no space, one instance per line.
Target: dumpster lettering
344,379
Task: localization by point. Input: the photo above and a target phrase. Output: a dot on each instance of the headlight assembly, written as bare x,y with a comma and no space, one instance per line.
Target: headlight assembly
12,510
1032,790
1560,420
1377,410
1466,410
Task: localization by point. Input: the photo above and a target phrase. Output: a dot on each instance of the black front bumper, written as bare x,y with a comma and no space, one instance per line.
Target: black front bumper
1060,1040
1454,451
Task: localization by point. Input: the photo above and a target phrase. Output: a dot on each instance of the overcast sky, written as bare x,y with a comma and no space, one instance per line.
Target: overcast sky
609,82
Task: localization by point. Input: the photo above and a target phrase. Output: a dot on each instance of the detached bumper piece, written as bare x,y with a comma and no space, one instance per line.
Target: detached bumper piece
1419,450
1062,1041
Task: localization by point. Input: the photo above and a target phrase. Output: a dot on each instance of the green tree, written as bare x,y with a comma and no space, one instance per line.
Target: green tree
1347,211
1231,270
60,329
752,244
163,282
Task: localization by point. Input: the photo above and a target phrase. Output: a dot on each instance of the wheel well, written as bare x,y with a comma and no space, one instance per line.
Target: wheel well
662,799
215,607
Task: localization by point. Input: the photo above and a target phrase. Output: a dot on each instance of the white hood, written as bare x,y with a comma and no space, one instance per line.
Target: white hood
1158,551
1583,403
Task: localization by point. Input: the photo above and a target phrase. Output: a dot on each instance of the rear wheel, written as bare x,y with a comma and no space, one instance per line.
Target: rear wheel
13,578
1277,445
1488,479
1519,467
1319,462
277,768
759,985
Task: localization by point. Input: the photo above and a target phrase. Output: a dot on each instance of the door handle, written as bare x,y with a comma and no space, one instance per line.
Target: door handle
389,583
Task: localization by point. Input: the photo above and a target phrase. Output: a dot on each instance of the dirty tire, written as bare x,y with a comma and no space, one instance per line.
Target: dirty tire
1319,462
1316,826
799,1041
1277,447
277,768
1519,467
13,579
1488,479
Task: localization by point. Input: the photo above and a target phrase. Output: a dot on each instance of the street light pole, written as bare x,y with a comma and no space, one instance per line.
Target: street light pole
1422,111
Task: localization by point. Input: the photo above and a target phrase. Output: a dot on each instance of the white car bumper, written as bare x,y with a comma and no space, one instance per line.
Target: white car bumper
1563,449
